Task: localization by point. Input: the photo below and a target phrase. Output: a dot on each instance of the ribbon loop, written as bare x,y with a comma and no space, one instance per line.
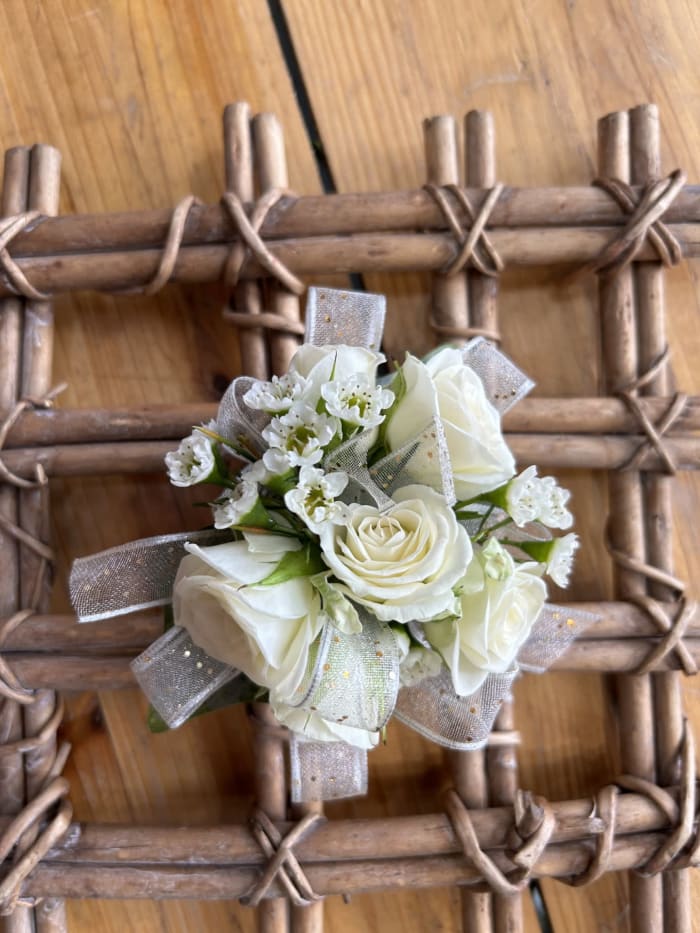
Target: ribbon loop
355,319
131,577
325,770
177,676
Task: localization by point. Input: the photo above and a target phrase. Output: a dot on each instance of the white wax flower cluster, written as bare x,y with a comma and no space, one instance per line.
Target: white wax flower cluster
316,543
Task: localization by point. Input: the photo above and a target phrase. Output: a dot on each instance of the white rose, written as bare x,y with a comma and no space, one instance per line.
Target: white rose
319,365
313,726
500,602
446,387
402,561
264,631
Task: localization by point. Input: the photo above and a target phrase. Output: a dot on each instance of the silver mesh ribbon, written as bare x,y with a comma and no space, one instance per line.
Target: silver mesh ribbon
434,710
353,679
425,459
504,383
238,423
351,457
353,318
177,676
131,577
555,629
326,770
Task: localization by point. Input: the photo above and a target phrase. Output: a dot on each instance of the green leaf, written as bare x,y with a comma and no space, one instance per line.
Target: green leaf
239,690
302,563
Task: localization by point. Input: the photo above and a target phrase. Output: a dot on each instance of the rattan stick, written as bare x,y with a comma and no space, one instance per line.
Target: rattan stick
340,840
500,763
480,151
646,166
313,256
71,671
531,415
563,451
449,293
449,308
238,155
271,796
14,200
618,622
37,363
619,335
337,214
66,879
271,164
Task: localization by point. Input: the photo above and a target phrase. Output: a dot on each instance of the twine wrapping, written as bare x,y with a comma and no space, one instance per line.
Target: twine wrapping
644,223
534,823
474,245
9,228
283,863
55,791
249,231
171,249
654,432
10,686
671,627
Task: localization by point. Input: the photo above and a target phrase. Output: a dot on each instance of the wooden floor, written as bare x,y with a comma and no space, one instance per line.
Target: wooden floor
132,92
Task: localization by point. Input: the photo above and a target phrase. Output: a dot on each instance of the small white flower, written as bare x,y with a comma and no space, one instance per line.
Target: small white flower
192,462
523,497
313,500
561,558
357,400
278,395
234,504
256,473
297,438
554,513
530,498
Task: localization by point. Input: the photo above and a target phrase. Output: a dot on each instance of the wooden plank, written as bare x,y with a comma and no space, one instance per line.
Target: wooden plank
547,72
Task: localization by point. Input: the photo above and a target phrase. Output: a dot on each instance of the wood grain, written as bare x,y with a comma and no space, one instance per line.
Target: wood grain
132,94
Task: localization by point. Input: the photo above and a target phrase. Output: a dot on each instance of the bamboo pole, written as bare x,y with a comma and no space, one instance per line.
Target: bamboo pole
619,337
271,164
37,362
326,255
337,215
563,451
14,200
159,422
450,308
646,166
